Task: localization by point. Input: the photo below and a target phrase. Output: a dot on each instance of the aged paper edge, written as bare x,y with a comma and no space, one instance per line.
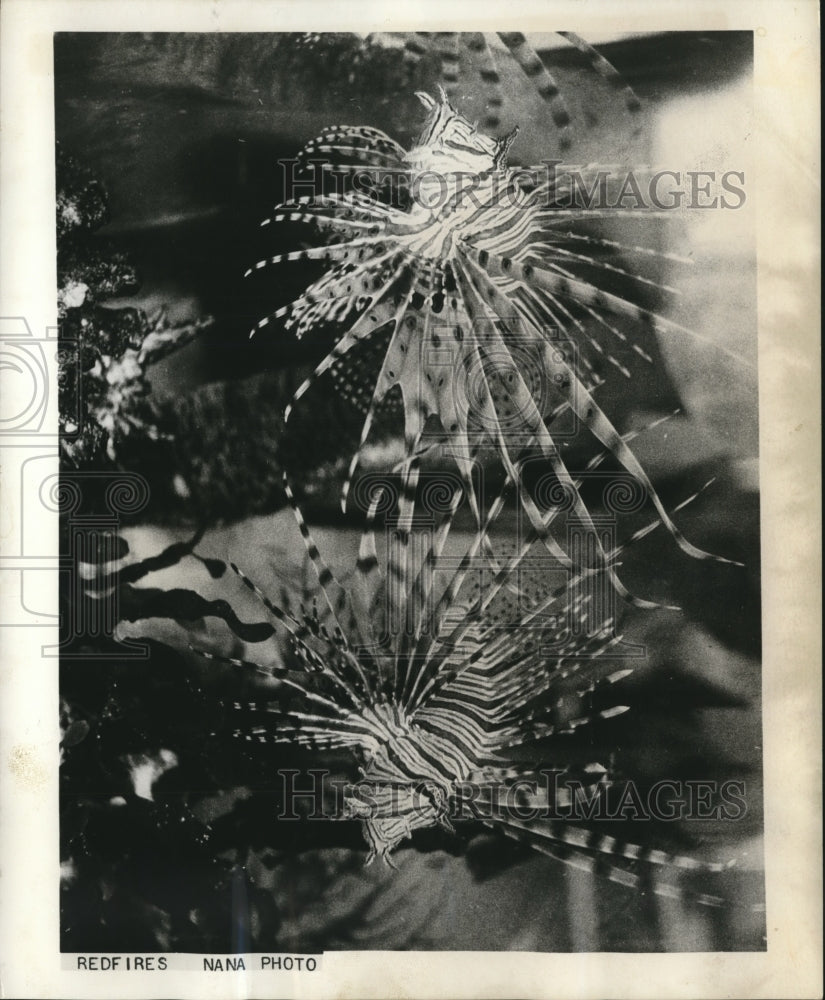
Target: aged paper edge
787,189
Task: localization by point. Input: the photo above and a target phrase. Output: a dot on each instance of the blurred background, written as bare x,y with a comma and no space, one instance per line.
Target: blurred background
178,137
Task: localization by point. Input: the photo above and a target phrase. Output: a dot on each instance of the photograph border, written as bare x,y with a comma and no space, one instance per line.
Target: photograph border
786,192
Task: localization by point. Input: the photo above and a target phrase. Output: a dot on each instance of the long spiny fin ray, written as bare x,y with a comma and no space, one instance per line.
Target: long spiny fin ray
481,605
544,83
365,154
426,634
480,311
485,703
376,313
440,374
582,402
347,206
613,555
626,247
300,634
330,252
398,564
590,864
363,134
478,44
607,266
513,474
367,568
510,679
586,335
396,360
584,292
318,295
346,211
330,587
448,51
546,311
274,670
605,69
550,450
425,579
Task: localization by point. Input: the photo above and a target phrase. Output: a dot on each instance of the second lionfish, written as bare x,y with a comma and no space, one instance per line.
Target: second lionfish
438,692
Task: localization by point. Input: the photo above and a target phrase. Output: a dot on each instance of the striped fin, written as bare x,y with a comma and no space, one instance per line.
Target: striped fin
618,334
342,730
329,214
584,293
605,69
584,669
478,45
537,427
330,587
315,305
592,864
544,83
300,633
480,607
485,703
400,366
479,313
398,554
354,250
416,45
607,266
448,52
548,314
593,841
421,590
543,730
406,354
626,247
367,585
544,298
364,135
334,595
301,687
332,297
443,360
376,313
612,556
367,567
402,361
427,634
346,206
363,154
547,311
581,401
248,665
352,228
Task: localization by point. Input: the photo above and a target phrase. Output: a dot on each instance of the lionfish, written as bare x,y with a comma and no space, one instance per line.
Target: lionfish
480,661
464,286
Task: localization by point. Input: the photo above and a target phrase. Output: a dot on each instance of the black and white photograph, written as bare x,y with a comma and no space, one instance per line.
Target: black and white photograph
408,488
